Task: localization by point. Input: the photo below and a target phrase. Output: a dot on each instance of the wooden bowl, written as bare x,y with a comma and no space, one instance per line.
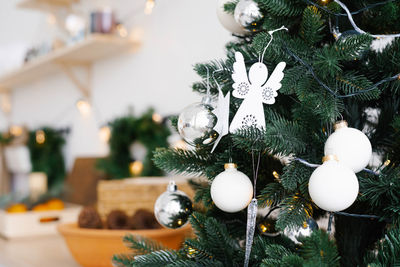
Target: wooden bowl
95,247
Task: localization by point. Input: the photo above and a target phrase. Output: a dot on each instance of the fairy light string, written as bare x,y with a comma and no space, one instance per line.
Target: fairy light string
352,13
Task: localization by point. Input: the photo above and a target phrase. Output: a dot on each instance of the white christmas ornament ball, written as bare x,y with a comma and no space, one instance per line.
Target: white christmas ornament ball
231,190
227,20
351,146
333,186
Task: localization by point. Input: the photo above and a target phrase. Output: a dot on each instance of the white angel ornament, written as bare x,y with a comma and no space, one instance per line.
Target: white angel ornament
256,90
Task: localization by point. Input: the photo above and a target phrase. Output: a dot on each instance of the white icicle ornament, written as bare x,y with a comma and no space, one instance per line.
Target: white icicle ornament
231,190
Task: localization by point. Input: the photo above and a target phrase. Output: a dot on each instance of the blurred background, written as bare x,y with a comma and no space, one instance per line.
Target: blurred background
87,88
156,71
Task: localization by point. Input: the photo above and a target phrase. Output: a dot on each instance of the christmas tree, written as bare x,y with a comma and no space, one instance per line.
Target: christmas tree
342,63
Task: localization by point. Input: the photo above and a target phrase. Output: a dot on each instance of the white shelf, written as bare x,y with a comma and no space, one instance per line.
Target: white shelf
45,5
94,47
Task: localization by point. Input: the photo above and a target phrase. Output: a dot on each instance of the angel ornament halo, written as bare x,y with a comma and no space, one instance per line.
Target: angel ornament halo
255,88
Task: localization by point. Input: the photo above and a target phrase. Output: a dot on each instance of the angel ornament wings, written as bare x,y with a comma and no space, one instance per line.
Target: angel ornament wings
256,89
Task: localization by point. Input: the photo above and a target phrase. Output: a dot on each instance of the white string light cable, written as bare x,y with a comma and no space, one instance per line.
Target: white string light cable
350,17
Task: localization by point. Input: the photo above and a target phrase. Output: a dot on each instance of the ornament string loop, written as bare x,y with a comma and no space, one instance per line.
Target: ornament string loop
261,58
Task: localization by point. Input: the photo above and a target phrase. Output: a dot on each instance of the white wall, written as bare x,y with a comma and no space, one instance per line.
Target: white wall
177,35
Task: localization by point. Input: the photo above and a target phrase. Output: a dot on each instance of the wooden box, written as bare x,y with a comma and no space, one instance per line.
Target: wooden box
36,223
132,194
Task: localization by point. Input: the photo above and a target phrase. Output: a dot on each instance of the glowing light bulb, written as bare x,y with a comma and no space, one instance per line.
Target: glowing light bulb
40,137
122,31
136,168
325,2
157,118
275,174
84,107
105,134
148,9
16,130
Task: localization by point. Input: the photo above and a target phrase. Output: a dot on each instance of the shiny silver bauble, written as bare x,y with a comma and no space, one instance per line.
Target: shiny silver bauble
196,124
308,227
173,207
247,12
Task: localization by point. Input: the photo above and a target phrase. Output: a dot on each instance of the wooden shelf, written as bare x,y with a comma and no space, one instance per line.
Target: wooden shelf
94,47
46,4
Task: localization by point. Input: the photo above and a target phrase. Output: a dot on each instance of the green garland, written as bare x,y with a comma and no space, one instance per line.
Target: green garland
46,154
125,131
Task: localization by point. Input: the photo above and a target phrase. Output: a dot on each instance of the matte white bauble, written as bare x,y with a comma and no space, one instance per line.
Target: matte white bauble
333,186
351,146
231,190
227,20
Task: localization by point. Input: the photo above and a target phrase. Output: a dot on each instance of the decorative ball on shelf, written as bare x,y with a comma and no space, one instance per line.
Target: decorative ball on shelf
351,146
308,227
173,207
247,12
196,123
231,190
118,219
227,20
143,219
90,218
333,186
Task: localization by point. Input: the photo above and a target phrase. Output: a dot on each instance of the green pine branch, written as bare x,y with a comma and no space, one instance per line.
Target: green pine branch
181,161
319,250
312,26
388,253
282,7
294,211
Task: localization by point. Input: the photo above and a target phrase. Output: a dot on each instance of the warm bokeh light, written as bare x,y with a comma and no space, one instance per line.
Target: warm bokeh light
148,9
16,130
157,118
136,168
122,31
105,134
84,107
40,137
51,19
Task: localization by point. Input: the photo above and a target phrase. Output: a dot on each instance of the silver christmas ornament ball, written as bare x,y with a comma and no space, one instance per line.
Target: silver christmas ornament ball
308,227
196,124
246,12
173,207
